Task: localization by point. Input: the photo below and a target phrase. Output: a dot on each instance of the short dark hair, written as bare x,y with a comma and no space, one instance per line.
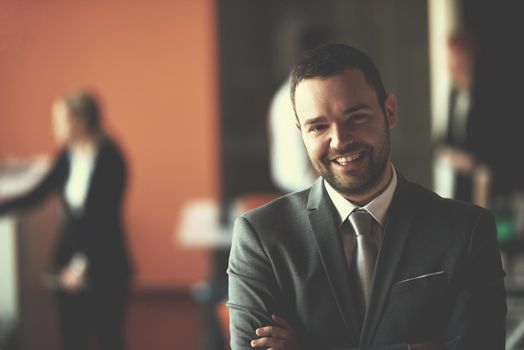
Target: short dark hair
331,59
84,105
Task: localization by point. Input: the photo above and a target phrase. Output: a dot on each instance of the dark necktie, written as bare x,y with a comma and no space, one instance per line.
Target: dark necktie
365,252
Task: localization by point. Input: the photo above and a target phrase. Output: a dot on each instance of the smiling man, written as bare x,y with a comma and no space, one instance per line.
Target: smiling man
345,132
364,259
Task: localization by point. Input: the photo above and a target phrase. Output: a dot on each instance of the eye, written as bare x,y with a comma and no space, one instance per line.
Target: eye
358,118
317,127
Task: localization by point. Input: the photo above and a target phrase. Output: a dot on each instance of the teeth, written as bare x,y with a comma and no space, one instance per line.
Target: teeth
346,160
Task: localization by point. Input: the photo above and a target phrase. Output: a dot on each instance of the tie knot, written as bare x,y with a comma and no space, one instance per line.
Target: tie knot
361,221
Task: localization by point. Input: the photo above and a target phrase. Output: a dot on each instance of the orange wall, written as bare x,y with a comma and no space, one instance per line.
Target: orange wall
154,65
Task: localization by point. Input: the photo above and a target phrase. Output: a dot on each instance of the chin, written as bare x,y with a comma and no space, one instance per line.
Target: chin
354,184
356,189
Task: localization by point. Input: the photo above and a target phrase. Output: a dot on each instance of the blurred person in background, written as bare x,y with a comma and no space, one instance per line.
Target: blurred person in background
290,167
454,152
90,262
485,123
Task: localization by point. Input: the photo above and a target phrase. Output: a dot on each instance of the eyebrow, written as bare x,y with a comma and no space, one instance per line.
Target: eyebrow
350,110
315,120
357,107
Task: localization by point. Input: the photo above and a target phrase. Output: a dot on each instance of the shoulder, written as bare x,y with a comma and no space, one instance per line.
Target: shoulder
110,160
109,149
447,212
295,201
279,212
109,145
423,195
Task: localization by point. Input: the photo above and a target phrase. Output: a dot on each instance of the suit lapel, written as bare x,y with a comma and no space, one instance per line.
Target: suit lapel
329,245
396,230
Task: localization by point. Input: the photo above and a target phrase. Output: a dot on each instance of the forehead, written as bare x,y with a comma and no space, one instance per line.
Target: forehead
333,94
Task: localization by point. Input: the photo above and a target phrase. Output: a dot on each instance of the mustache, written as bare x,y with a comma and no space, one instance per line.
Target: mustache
351,148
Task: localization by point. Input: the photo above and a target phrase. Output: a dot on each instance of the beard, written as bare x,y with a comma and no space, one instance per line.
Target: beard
360,181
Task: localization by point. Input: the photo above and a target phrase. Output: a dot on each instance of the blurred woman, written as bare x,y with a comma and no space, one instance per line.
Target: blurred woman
90,260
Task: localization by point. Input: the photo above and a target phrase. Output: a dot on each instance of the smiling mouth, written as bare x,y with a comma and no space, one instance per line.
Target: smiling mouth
348,160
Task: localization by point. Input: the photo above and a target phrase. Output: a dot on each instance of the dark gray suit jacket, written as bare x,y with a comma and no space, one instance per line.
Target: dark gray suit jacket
438,274
97,231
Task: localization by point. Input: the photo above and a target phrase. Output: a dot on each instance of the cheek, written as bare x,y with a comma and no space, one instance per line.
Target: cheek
58,130
373,133
316,147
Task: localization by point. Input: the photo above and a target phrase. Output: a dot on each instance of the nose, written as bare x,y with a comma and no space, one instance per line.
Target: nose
340,136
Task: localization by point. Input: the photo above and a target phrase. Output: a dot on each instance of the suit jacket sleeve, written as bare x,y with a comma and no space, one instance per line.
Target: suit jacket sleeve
51,182
478,319
253,290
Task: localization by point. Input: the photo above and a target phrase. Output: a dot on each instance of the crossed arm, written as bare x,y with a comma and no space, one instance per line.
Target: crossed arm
282,336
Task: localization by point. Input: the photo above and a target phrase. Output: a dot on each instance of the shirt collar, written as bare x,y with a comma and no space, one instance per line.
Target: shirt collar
378,207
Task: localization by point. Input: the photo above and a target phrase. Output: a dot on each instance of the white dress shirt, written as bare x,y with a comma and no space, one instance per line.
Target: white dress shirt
377,207
82,162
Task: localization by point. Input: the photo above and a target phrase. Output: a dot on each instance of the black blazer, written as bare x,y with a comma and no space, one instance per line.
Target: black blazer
438,274
96,231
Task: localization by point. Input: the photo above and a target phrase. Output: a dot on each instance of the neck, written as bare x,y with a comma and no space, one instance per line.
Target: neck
364,198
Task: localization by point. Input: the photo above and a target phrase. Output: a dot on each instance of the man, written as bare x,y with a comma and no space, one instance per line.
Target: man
363,259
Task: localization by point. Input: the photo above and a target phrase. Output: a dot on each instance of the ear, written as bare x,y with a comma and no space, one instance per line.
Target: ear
297,124
390,106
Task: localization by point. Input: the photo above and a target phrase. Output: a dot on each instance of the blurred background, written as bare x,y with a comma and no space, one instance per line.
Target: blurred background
187,89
